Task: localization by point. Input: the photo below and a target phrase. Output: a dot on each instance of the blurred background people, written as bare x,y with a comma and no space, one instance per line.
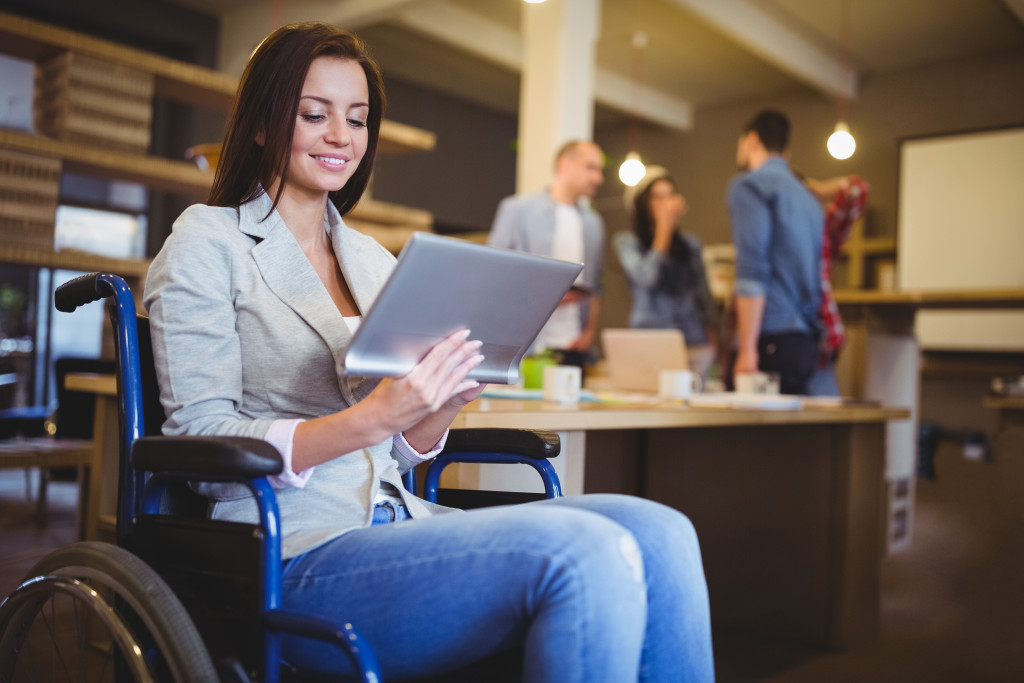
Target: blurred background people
665,268
777,230
845,198
559,222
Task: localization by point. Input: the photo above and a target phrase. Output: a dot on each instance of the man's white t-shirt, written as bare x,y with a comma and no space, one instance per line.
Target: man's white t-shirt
564,326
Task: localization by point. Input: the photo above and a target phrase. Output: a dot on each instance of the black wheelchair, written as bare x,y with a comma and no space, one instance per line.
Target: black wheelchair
181,597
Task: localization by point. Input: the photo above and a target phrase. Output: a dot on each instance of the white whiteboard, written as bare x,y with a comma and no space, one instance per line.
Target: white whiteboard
961,227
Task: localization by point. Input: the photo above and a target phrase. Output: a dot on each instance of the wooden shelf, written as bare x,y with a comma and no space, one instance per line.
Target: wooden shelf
859,249
959,299
399,138
73,260
176,176
390,224
165,174
28,39
175,80
878,245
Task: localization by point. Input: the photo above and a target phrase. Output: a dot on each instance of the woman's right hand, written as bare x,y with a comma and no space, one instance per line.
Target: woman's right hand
401,403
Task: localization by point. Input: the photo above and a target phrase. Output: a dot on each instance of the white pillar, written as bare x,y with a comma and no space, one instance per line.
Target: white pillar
556,93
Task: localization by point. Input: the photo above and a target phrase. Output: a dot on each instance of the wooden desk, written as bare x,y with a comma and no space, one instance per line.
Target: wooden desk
100,513
45,452
1011,410
789,505
881,362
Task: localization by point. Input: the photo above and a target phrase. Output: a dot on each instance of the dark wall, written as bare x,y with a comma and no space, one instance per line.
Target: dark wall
970,94
470,170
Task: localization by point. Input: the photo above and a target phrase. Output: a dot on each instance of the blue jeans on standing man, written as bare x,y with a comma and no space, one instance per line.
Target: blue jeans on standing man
595,588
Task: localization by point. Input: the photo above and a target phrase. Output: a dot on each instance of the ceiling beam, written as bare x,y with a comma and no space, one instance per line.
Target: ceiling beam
748,24
1017,7
623,94
466,30
475,34
354,14
244,28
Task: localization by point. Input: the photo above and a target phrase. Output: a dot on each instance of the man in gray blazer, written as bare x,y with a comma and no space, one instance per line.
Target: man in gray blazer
559,222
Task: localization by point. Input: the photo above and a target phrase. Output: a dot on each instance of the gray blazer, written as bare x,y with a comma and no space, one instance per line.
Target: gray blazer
245,333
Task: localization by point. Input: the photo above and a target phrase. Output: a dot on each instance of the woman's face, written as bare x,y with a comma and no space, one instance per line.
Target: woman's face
665,203
330,135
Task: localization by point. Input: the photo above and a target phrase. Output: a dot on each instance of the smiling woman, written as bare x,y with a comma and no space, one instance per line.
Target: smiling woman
330,133
267,109
253,300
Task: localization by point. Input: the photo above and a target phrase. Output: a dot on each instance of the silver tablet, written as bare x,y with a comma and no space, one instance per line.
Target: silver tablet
442,284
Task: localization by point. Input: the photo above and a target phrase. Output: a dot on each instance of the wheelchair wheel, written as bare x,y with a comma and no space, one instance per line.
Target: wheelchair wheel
95,612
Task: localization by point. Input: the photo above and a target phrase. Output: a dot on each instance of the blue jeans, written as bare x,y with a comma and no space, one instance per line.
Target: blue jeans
594,588
823,382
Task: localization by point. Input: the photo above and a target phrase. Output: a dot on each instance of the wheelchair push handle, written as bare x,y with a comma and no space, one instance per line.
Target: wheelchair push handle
82,290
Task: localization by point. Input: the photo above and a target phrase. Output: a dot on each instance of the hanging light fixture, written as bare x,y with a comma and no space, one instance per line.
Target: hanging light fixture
632,169
841,144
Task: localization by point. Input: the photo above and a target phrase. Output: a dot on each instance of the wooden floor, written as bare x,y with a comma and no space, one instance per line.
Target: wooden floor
952,607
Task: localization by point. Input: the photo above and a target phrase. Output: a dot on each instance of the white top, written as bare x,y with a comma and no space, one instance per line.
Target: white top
564,326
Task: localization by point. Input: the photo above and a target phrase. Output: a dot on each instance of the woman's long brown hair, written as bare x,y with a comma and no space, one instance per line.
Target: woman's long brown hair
267,103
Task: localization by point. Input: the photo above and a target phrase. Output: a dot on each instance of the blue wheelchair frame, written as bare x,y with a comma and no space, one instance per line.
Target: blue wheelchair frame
140,491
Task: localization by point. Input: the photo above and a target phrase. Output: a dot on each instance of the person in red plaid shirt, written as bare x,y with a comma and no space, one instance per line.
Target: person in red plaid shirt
846,197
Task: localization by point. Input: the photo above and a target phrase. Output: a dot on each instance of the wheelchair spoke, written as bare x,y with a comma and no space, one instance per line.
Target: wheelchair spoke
51,627
96,613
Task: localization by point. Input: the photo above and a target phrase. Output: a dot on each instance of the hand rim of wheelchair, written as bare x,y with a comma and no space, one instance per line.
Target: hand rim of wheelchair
81,570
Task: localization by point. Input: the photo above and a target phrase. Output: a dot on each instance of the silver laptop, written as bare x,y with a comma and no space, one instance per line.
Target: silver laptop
442,284
637,356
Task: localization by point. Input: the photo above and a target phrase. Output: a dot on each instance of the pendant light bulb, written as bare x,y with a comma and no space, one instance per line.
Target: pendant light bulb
632,170
841,144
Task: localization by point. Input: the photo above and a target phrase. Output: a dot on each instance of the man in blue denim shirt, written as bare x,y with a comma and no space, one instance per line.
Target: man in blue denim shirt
777,230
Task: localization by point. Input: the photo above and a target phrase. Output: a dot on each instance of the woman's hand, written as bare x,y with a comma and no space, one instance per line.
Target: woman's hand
436,381
461,399
666,213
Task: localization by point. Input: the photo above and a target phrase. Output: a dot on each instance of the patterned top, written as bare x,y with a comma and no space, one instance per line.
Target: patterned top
846,207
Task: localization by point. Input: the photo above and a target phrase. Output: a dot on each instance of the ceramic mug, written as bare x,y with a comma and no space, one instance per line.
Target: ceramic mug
678,384
562,383
757,383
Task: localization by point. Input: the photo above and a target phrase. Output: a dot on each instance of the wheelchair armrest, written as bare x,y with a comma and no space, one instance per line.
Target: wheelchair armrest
207,458
538,445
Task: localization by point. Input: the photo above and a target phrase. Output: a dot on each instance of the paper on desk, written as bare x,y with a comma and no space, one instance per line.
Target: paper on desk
729,399
512,392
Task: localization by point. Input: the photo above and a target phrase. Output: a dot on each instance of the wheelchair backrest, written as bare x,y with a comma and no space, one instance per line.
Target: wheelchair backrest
214,567
94,287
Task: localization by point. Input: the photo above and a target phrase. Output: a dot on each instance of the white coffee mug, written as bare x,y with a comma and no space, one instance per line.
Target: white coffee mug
678,384
757,383
562,383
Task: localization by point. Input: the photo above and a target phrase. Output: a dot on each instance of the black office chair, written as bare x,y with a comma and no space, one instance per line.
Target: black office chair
184,597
